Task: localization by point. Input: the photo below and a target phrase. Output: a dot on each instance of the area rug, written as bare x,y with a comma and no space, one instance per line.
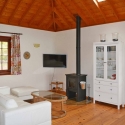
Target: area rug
74,102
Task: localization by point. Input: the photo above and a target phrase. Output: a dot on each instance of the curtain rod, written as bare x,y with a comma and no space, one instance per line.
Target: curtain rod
12,33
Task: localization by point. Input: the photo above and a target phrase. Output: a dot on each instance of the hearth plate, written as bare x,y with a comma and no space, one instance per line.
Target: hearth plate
74,102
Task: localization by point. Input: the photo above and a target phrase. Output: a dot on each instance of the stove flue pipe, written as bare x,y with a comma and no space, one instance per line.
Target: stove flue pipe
78,48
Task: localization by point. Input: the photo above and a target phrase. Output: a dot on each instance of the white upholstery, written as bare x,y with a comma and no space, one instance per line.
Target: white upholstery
8,103
26,113
19,102
23,92
27,97
5,90
34,114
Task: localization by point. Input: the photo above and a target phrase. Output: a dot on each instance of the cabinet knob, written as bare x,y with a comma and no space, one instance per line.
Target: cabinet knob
111,97
99,95
99,87
99,82
111,89
111,83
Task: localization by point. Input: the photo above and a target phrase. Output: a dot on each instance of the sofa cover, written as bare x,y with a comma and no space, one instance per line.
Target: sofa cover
23,92
26,113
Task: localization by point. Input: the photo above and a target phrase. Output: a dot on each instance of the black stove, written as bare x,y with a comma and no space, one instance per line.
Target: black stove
73,88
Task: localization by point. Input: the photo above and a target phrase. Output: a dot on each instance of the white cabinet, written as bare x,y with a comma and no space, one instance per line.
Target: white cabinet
108,72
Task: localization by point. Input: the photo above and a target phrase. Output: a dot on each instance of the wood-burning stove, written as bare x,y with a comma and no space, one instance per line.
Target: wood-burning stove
73,88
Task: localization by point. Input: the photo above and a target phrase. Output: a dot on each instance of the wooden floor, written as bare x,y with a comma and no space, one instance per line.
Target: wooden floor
90,114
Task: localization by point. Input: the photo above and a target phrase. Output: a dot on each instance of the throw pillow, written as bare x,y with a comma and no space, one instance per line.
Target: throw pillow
7,102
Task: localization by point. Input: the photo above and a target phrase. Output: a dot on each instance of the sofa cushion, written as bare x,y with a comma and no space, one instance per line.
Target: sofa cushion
19,101
7,102
23,90
4,90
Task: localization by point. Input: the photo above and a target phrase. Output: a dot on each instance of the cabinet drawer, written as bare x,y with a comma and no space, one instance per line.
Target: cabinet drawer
106,83
105,97
99,82
97,96
107,89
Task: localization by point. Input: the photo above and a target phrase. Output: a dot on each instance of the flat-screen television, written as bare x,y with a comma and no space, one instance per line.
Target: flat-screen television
54,60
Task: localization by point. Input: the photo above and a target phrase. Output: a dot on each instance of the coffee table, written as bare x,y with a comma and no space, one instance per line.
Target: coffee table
52,97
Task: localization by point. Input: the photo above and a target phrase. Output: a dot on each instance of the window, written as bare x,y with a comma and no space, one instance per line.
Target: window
5,55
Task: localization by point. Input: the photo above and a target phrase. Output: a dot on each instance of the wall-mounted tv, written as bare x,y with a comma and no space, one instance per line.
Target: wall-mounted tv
54,60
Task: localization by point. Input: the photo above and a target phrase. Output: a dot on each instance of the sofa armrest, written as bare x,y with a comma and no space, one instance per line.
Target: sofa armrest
32,114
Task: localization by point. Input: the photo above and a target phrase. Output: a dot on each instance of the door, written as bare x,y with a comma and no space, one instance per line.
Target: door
106,68
111,66
99,62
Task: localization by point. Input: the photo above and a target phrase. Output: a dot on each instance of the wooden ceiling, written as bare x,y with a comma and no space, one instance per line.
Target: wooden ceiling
58,15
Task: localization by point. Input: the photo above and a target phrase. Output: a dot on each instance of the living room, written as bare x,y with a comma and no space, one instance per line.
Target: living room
33,72
62,42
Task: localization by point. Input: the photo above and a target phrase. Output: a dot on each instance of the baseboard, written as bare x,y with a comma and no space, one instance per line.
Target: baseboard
91,98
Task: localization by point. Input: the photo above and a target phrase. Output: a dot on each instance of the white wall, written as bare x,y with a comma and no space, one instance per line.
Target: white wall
33,73
66,43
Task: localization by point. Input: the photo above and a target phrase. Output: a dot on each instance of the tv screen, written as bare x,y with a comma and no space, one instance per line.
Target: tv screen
54,60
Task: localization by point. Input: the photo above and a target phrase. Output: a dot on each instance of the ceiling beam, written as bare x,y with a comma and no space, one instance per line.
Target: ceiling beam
14,11
79,11
4,6
97,4
37,12
67,11
61,17
53,15
43,18
113,9
26,11
88,11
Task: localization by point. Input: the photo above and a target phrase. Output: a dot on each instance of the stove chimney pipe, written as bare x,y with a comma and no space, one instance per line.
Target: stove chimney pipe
78,37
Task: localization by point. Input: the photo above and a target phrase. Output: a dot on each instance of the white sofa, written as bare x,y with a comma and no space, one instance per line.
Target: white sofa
14,111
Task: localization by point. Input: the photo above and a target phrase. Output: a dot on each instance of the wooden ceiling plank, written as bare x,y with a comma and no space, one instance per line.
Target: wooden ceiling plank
49,24
26,11
58,23
89,13
96,3
61,17
37,13
113,9
124,1
43,18
4,6
79,11
67,11
14,11
53,15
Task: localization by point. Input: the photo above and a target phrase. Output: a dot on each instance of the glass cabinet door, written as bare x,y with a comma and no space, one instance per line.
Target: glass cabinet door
111,62
100,62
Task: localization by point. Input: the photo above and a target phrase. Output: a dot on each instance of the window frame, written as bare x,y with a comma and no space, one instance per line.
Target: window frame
7,39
